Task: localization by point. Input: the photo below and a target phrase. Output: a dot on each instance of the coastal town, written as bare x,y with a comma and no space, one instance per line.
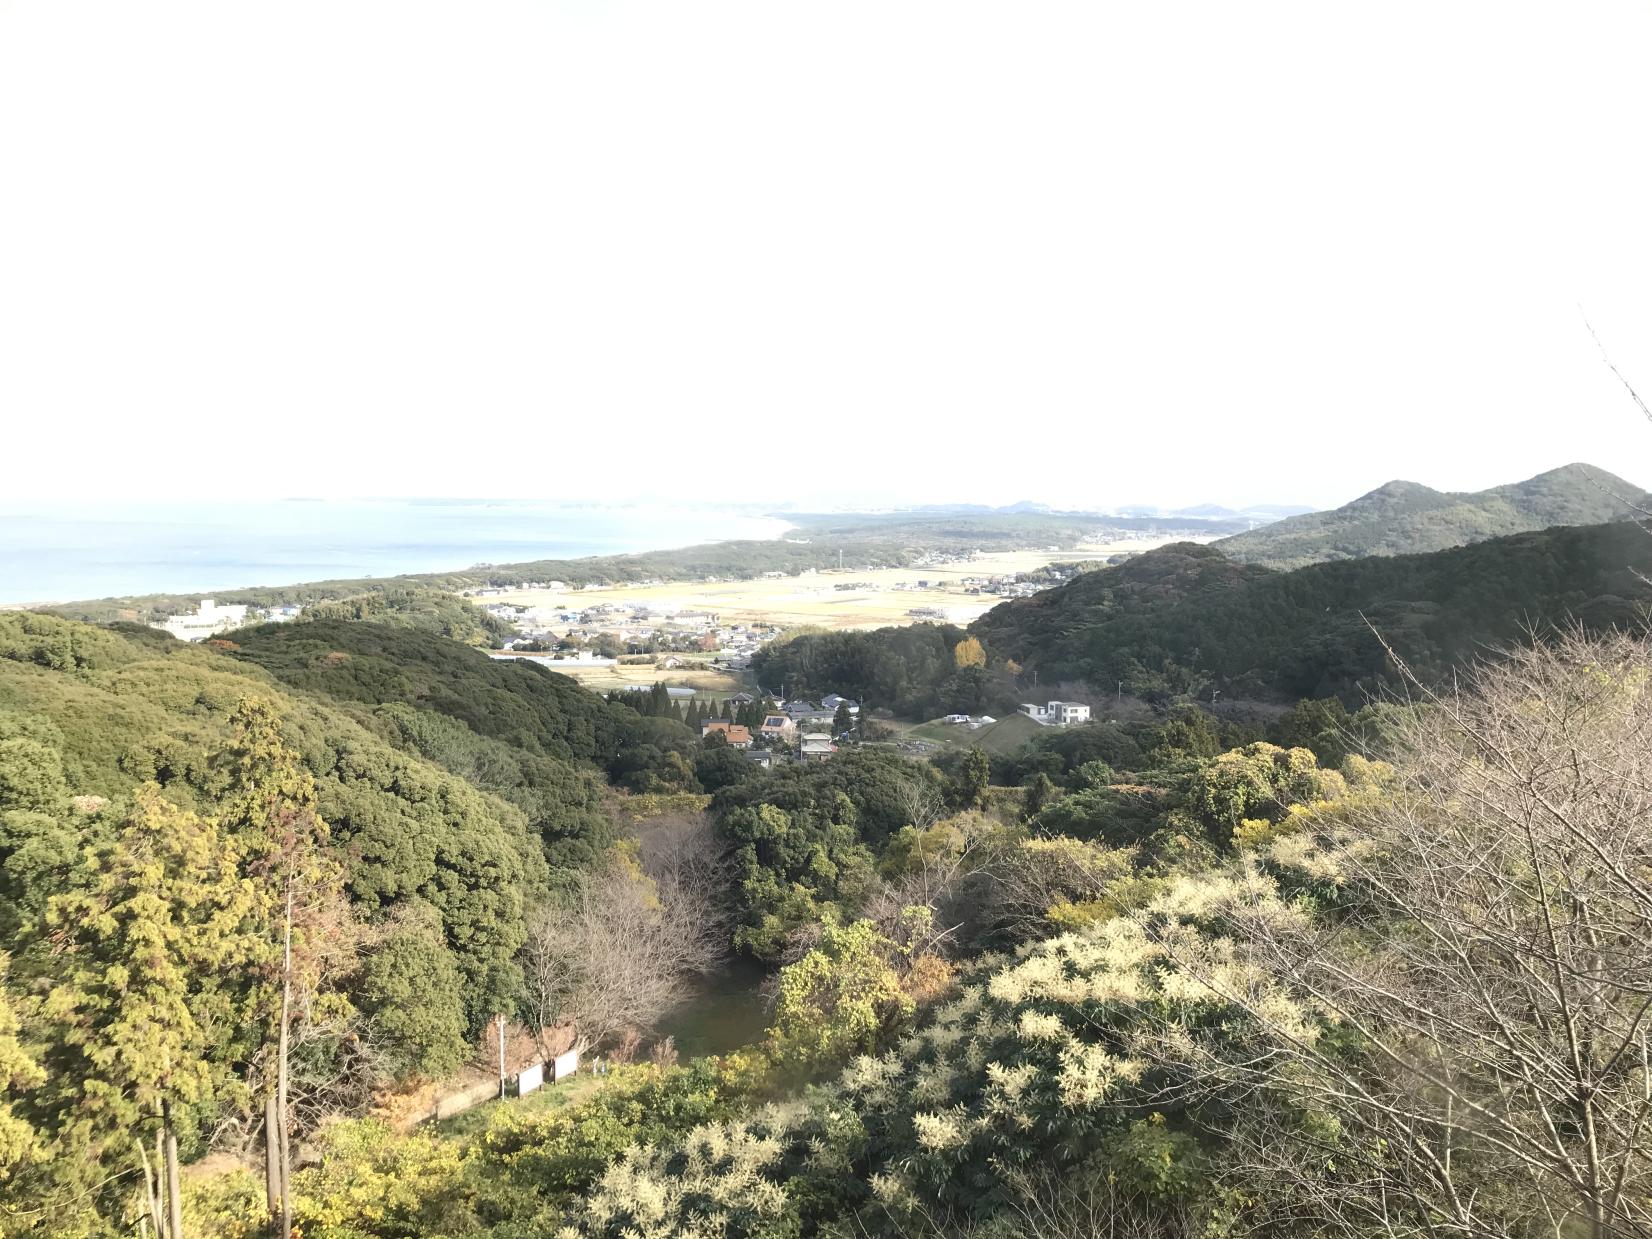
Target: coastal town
721,622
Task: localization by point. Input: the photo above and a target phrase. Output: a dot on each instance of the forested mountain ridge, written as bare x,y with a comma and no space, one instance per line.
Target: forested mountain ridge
1402,518
1184,616
1184,619
426,610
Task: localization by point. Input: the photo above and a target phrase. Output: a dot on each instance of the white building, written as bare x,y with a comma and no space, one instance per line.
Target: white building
1057,713
816,748
207,621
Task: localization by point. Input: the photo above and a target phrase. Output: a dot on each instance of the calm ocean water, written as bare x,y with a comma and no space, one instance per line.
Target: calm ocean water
63,551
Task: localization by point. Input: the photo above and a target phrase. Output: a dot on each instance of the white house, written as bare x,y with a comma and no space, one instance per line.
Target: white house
816,748
1057,713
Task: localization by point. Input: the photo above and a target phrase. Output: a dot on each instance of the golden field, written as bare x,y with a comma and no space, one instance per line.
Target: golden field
812,599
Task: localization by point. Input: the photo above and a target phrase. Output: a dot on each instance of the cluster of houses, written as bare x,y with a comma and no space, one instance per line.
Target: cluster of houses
635,629
801,729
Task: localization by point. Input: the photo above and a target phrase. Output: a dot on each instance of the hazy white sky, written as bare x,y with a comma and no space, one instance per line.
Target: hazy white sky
1090,253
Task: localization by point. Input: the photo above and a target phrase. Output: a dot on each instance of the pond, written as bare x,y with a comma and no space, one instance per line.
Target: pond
726,1011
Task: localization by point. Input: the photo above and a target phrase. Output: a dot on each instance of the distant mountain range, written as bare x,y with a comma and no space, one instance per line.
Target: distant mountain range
1404,518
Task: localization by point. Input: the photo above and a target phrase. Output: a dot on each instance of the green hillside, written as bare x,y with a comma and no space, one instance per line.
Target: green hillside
1010,734
1404,518
424,610
512,700
98,712
1185,618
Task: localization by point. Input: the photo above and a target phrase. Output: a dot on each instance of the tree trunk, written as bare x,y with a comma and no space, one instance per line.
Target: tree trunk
152,1187
282,1125
272,1163
174,1193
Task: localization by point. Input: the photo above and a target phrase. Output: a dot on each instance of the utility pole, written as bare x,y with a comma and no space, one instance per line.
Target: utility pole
500,1019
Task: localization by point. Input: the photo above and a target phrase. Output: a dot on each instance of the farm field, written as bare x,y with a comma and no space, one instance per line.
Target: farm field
882,596
702,678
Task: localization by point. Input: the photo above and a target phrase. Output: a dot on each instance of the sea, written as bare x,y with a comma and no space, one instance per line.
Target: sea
59,551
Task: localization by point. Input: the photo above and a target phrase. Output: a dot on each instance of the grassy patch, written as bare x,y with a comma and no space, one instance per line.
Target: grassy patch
1006,736
549,1097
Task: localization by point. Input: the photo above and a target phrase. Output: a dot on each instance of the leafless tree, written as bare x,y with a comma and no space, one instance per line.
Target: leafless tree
921,802
1488,971
682,852
622,950
942,885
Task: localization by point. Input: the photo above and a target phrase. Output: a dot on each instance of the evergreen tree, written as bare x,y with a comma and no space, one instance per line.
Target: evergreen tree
151,939
271,810
970,789
728,709
17,1071
1040,791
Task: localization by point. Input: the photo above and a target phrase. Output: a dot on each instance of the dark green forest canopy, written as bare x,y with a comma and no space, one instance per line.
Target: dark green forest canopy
1320,630
903,669
513,700
508,726
427,610
1185,619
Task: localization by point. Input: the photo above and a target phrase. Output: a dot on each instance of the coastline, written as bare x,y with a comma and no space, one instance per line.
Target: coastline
406,541
792,546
